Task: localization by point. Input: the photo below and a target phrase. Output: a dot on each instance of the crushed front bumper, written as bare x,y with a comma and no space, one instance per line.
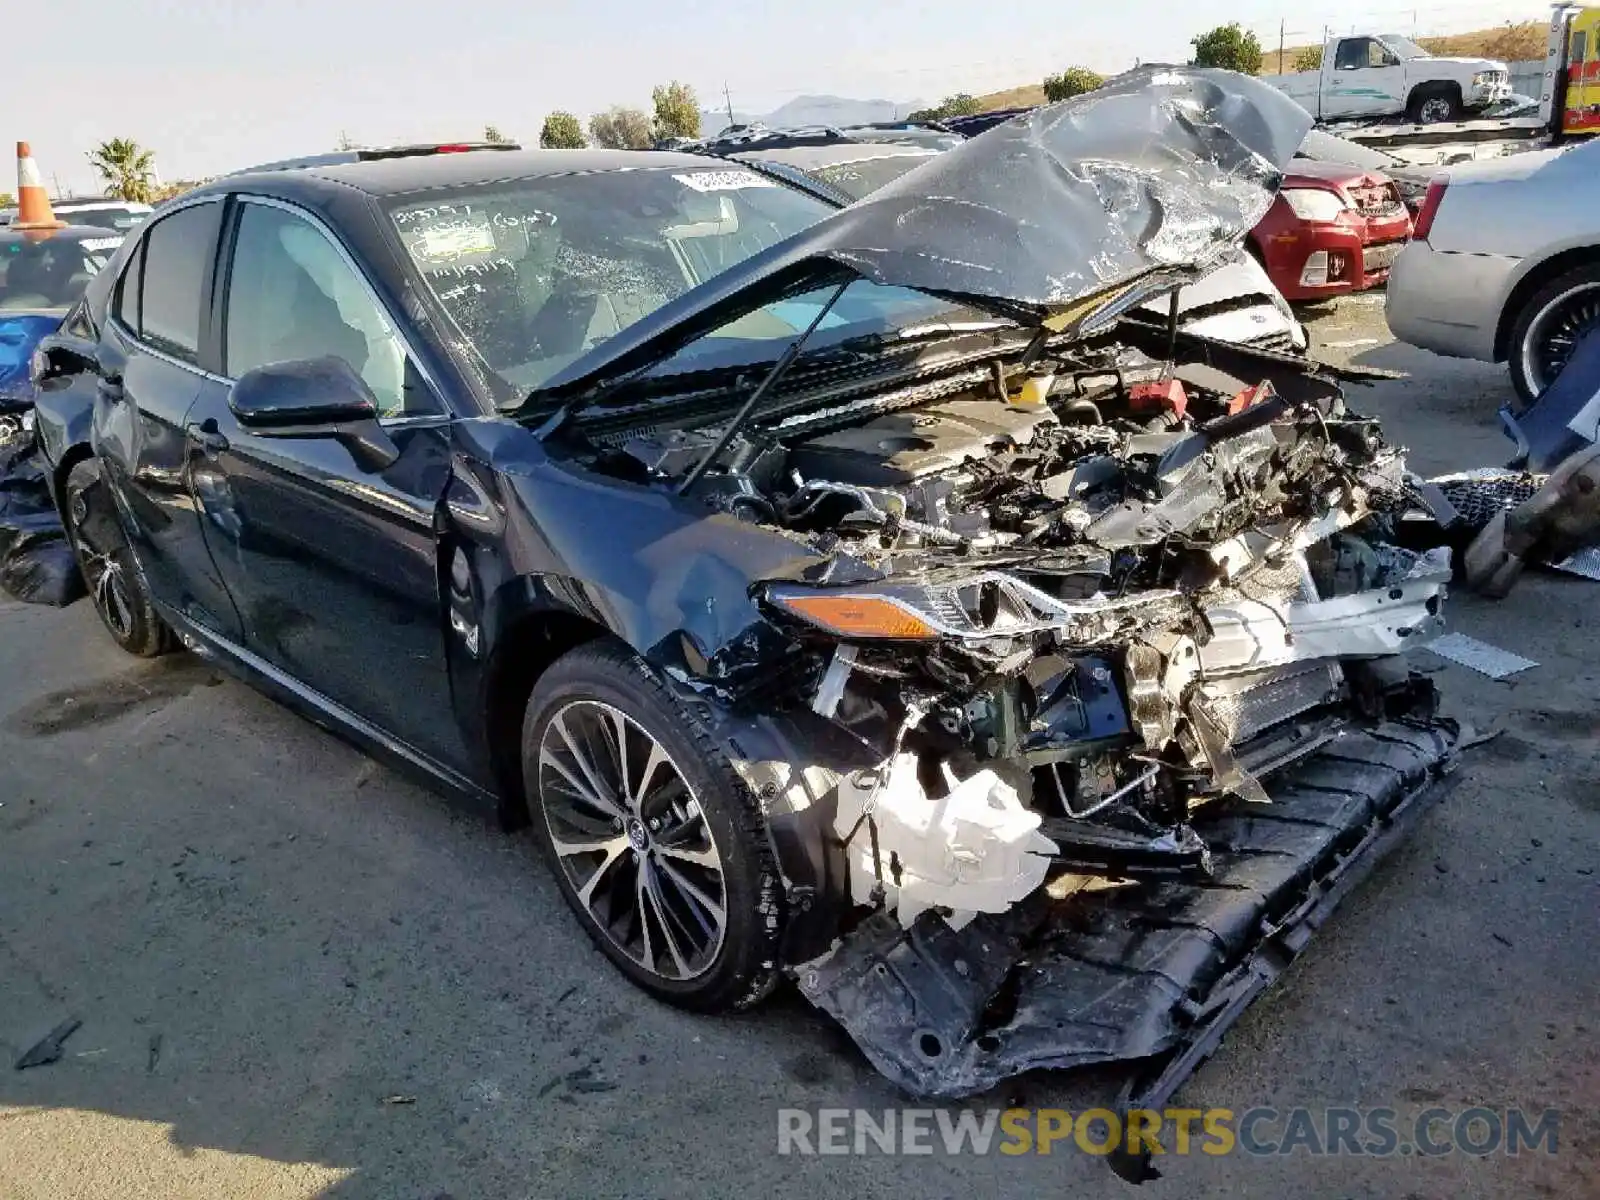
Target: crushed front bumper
1154,972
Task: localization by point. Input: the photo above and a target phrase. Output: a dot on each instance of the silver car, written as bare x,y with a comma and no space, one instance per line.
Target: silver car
1505,263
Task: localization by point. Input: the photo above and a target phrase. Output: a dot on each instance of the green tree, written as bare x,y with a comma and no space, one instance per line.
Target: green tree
1309,59
127,169
7,200
677,111
492,135
1230,47
621,128
1074,81
562,132
959,105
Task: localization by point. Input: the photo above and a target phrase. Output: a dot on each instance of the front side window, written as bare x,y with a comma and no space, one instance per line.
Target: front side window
177,252
534,273
292,296
1356,53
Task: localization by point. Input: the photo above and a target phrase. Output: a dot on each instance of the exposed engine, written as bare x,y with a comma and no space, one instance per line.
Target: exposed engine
1093,597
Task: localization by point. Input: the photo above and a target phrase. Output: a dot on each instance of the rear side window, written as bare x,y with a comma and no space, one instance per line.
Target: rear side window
126,306
177,251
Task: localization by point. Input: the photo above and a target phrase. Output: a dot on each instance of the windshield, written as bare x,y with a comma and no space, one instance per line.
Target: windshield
51,273
536,272
110,217
1405,49
1324,147
856,179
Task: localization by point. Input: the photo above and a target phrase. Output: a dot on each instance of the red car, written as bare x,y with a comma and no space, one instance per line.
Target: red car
1333,229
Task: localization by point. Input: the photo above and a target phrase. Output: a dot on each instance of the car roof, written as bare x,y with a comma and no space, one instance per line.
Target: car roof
399,176
829,154
67,233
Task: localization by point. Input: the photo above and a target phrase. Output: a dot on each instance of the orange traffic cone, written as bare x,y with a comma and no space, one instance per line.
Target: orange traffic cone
33,204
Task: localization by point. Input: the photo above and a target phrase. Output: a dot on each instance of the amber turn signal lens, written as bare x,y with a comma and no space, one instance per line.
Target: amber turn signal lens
859,616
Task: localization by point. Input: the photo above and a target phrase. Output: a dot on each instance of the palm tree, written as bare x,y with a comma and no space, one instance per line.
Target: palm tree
127,168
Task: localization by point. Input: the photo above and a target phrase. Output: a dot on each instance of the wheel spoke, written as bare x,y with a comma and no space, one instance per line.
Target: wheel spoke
597,791
619,731
613,856
653,763
700,858
712,909
649,890
610,845
582,791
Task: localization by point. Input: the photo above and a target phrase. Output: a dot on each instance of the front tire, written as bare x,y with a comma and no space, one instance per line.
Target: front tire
1547,330
105,559
656,843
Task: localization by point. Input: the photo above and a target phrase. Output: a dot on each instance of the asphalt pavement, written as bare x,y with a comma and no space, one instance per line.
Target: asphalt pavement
299,975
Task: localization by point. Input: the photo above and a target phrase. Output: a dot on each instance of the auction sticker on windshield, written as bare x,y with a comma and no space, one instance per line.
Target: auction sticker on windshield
724,181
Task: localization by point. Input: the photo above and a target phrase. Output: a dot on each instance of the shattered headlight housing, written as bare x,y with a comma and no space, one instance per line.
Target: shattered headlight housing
978,607
1314,204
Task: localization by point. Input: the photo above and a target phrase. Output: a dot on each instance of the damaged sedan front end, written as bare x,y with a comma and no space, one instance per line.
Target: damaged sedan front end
1081,697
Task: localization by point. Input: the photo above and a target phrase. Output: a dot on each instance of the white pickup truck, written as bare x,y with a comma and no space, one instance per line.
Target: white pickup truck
1384,75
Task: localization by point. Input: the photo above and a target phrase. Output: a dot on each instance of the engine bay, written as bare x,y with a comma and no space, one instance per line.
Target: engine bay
1094,592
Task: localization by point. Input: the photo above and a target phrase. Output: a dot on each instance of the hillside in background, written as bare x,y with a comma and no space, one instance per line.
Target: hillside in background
811,110
1509,43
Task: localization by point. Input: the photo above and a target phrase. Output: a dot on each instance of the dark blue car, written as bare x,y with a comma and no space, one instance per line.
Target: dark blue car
817,582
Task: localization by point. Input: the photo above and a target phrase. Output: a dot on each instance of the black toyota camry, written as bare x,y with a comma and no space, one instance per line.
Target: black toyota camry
849,594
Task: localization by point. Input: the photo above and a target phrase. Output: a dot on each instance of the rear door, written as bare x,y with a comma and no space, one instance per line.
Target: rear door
332,566
150,376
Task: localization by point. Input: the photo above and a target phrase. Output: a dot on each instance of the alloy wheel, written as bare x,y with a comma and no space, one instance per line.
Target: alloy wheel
102,572
632,840
1434,110
1555,331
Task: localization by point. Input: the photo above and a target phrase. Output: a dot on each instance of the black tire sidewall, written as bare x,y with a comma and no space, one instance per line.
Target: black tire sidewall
148,636
1523,325
746,968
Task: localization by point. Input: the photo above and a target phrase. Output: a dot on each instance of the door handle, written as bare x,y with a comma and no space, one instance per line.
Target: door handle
205,435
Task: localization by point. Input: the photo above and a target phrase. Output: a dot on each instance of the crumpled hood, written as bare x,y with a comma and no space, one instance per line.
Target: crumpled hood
1073,211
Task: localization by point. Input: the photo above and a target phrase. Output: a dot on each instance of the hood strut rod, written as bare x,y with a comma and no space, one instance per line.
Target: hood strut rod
762,389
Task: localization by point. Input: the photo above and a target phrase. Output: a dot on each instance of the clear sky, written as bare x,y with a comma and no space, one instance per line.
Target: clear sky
213,85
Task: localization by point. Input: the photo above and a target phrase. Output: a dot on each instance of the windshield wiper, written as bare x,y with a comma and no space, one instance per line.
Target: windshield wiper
762,388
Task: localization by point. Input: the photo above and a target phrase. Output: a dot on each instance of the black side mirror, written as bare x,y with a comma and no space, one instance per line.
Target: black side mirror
314,398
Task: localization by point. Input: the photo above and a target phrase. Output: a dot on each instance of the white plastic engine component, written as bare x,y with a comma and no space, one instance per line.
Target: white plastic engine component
975,850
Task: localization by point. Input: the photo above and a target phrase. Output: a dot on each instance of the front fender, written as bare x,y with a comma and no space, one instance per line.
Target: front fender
653,569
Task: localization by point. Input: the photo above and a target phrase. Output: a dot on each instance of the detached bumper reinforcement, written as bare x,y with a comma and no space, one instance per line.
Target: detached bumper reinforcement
1152,973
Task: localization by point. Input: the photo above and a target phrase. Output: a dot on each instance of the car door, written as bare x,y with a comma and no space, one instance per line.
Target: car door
1367,78
148,362
331,564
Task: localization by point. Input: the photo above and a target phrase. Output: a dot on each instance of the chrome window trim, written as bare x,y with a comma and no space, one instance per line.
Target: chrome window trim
142,246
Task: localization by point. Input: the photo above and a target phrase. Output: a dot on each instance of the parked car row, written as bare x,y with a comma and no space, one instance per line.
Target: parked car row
1341,217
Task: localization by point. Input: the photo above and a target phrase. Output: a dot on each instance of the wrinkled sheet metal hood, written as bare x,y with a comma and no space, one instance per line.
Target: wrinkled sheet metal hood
1074,211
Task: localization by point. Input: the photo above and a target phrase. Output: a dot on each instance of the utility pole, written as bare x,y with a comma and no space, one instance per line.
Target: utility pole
56,180
1280,47
728,97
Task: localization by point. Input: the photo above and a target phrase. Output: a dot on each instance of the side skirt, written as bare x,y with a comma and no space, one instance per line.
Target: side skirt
325,713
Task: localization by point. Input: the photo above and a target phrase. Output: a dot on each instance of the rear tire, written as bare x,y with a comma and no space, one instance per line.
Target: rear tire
659,849
1549,326
105,559
1435,105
